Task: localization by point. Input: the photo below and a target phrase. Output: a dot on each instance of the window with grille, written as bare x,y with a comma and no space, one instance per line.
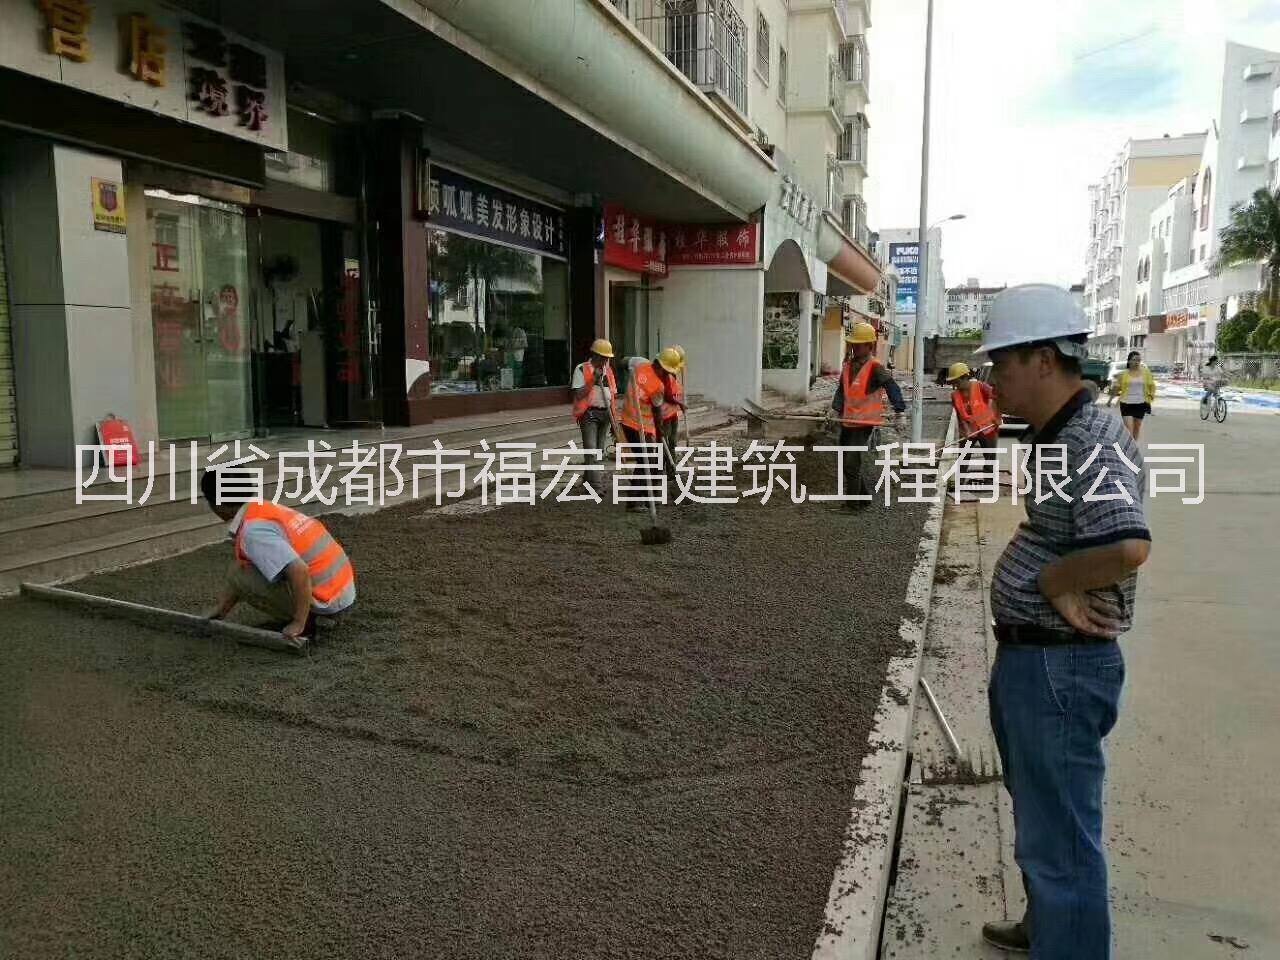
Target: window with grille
762,47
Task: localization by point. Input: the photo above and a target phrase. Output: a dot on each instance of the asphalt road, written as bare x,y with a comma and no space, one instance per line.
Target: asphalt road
1194,768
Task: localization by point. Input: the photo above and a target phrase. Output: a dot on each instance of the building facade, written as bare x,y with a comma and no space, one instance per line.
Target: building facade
1180,300
223,220
1136,181
967,306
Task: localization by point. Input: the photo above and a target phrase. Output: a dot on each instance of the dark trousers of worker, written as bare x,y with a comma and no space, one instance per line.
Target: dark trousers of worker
854,483
1051,708
596,429
638,462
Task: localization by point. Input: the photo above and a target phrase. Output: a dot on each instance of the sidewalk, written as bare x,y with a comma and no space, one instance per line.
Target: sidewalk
1192,823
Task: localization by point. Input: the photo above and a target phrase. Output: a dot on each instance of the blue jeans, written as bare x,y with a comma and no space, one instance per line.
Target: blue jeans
1051,707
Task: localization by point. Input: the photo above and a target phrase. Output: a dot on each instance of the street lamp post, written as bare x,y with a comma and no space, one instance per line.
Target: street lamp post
917,401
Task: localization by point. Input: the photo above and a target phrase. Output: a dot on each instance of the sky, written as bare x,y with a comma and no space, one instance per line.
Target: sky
1031,101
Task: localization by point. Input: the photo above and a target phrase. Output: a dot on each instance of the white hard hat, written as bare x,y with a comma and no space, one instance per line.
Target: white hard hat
1035,313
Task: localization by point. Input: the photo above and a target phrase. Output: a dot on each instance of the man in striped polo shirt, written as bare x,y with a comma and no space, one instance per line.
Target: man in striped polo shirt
1061,594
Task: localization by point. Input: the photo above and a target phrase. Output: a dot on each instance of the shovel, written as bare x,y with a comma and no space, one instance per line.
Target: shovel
654,535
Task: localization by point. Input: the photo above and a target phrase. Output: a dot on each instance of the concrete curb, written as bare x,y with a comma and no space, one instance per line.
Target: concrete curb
859,890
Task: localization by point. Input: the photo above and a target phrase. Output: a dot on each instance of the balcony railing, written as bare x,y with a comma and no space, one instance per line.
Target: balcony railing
853,218
854,60
835,185
852,146
706,40
835,86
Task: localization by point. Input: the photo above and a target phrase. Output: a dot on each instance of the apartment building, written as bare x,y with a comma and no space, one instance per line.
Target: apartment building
1178,300
967,306
308,213
1135,183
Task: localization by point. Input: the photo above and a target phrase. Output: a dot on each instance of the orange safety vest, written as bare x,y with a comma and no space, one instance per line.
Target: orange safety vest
975,413
862,408
674,395
581,406
637,410
326,561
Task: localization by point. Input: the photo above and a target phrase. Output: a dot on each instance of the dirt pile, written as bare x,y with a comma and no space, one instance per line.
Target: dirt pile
532,738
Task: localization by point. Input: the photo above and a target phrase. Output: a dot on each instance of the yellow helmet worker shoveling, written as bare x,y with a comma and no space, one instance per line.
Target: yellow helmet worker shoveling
670,360
861,333
602,348
957,370
684,357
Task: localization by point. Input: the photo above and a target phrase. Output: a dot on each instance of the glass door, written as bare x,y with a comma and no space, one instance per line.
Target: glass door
224,321
199,316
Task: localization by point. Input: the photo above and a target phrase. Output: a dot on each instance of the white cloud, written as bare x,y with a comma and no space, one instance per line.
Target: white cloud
1031,99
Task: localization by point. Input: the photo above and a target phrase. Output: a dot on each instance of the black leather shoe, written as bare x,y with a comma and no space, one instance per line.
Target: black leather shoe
1007,935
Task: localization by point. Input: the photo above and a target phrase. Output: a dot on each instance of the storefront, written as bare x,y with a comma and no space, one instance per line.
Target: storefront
8,399
498,282
131,142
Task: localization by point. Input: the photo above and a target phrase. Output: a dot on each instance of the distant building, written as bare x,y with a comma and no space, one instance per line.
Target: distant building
967,306
892,245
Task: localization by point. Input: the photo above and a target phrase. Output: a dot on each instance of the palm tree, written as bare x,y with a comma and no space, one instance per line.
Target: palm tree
1253,235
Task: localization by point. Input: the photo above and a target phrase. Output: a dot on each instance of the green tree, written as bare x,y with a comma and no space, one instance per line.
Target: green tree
969,333
1253,236
1263,334
464,261
1233,335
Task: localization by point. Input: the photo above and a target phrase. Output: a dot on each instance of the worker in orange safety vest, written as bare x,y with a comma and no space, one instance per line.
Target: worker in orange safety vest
859,405
644,402
975,406
286,564
595,396
673,404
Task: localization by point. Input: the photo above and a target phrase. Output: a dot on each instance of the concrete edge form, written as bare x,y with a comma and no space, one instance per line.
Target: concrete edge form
240,633
856,902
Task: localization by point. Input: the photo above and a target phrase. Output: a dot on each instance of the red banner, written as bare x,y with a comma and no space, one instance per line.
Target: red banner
713,245
634,243
642,245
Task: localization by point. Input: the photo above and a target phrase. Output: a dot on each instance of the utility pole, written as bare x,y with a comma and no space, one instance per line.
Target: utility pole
917,400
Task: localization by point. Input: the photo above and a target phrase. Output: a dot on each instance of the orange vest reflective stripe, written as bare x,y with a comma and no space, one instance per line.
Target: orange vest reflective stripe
581,406
637,410
330,570
976,415
862,408
674,395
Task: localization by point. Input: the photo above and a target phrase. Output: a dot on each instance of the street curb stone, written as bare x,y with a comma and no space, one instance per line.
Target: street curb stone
859,889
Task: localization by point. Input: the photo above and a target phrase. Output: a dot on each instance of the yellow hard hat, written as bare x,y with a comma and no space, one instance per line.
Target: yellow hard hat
602,347
670,361
861,333
957,370
684,357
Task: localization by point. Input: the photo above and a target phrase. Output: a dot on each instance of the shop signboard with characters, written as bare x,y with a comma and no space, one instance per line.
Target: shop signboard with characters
153,57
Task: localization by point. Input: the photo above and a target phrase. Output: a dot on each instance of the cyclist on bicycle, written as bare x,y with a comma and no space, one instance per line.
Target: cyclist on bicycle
1213,378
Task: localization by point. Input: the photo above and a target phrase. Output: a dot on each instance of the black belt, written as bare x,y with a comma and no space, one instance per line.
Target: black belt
1030,634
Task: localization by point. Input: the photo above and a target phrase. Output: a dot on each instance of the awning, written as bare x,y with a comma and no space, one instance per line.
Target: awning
851,271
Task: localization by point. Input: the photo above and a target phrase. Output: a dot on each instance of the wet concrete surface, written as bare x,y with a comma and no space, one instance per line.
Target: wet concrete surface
532,738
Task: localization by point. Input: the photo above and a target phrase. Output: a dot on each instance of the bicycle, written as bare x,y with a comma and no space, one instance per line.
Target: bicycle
1218,407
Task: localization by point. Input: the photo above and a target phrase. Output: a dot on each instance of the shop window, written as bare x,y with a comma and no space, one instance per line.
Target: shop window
499,317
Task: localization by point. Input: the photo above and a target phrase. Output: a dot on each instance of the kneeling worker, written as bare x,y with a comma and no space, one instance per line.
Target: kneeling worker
975,407
287,565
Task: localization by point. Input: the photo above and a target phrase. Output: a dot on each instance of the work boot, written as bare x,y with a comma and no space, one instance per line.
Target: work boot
1008,935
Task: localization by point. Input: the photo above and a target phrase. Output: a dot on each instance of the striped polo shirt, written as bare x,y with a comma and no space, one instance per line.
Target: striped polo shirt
1087,454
